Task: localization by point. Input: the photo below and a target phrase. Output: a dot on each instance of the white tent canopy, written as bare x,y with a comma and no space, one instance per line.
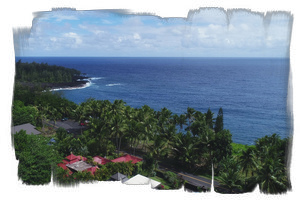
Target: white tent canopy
142,180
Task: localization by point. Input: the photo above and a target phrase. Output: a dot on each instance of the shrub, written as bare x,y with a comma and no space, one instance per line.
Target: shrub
173,179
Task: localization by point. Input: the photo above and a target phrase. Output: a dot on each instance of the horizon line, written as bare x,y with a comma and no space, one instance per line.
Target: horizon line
287,57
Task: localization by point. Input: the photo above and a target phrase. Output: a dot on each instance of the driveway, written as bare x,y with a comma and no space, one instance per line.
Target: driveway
70,125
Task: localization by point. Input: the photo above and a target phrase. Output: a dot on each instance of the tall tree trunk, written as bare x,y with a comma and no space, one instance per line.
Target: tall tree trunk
119,146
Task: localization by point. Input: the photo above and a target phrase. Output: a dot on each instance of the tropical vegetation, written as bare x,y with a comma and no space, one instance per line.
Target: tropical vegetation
193,141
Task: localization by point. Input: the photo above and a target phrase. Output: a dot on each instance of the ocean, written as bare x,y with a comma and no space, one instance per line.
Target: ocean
251,91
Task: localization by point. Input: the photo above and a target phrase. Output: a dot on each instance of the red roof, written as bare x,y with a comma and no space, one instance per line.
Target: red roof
92,170
65,161
73,161
72,158
63,165
101,160
127,158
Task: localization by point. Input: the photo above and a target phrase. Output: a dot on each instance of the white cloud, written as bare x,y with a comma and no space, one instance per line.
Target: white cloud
205,33
74,37
136,36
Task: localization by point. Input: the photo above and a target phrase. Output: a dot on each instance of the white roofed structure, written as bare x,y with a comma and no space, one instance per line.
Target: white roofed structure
142,180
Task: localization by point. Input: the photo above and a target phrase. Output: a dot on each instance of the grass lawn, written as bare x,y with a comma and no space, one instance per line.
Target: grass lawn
238,148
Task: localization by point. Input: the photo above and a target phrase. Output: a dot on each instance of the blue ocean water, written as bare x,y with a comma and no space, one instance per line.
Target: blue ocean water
251,91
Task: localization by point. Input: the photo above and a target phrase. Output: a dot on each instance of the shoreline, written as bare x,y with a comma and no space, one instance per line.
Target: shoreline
70,86
78,82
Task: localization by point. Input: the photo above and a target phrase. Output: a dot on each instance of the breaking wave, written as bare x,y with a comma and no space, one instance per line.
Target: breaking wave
113,84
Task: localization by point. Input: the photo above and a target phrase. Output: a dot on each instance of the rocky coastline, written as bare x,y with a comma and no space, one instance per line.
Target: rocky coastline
77,82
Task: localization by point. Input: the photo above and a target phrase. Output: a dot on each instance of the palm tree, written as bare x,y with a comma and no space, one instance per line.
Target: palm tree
272,178
149,123
185,149
230,175
270,170
98,136
133,130
118,127
190,116
43,114
248,160
158,148
118,107
207,138
231,179
181,121
54,114
170,134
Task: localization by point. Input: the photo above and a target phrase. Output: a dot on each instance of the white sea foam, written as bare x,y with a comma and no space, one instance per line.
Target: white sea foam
113,84
96,78
88,84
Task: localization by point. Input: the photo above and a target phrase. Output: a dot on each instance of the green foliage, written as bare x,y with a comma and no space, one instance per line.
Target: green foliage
22,114
185,149
20,142
209,118
62,142
173,180
103,174
219,121
149,165
238,148
126,168
43,73
66,143
36,158
222,145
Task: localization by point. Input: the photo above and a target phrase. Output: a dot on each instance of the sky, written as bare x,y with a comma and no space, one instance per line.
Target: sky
207,32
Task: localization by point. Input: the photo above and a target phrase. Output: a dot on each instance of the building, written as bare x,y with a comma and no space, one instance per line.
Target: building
100,160
29,128
118,177
74,163
70,159
127,158
79,166
142,180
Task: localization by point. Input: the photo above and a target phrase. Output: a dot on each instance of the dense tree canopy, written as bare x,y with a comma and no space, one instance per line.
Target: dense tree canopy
36,158
43,73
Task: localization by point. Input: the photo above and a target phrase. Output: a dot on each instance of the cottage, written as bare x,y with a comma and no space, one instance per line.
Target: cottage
29,128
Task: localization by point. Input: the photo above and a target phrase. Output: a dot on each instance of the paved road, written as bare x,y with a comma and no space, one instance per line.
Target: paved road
196,180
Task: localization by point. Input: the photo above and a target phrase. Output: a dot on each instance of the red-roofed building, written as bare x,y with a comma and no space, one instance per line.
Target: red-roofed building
92,170
63,165
100,160
127,158
70,159
65,161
